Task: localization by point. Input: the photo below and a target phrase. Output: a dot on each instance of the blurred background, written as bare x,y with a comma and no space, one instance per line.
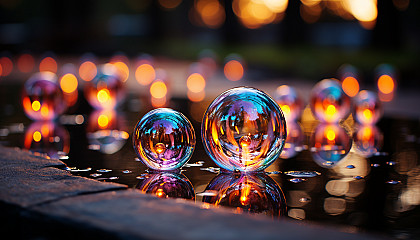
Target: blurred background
307,38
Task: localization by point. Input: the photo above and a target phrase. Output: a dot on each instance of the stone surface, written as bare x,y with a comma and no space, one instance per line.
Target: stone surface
132,215
27,180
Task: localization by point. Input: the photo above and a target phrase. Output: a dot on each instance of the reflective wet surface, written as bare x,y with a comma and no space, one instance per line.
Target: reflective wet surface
358,178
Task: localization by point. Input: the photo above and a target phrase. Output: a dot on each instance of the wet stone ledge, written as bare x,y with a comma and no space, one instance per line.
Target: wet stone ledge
39,200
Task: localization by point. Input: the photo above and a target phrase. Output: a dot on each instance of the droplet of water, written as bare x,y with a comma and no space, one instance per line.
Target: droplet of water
358,177
211,169
104,170
297,180
94,147
304,199
274,172
140,177
137,159
113,178
196,164
127,171
393,182
350,166
300,174
96,174
80,170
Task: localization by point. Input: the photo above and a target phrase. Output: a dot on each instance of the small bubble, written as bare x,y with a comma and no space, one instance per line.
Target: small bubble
95,175
104,170
350,166
393,182
297,180
127,171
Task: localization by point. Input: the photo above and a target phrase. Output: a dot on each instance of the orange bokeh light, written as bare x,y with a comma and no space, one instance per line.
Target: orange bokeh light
196,97
158,102
196,83
211,12
169,4
122,69
68,83
234,70
367,114
330,134
145,74
6,65
25,63
36,105
103,95
103,121
48,64
158,89
87,71
350,86
386,84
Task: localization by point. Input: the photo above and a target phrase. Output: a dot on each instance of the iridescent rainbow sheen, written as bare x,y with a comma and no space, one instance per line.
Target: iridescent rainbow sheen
243,130
164,139
367,107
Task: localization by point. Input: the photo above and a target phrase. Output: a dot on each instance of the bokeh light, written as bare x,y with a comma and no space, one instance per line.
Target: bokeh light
145,74
6,66
196,83
87,71
234,70
68,83
26,63
350,86
48,64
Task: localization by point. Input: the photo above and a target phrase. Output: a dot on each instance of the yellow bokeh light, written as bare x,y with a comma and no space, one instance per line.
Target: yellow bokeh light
145,74
362,10
103,96
103,121
37,136
122,69
45,111
330,134
68,83
331,110
367,114
158,89
36,105
196,83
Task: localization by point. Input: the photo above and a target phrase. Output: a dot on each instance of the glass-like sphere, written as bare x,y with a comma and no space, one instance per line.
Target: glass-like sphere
164,139
329,144
106,131
252,193
294,140
243,129
290,102
106,90
42,97
368,140
328,101
47,137
167,185
367,107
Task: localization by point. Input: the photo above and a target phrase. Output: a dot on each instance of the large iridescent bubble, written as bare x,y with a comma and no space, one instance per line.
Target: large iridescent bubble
252,193
328,101
164,139
42,97
243,129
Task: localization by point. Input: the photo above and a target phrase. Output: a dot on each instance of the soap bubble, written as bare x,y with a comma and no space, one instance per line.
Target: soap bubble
106,90
368,140
294,140
164,139
328,102
252,193
42,97
329,144
367,107
167,185
289,101
243,129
